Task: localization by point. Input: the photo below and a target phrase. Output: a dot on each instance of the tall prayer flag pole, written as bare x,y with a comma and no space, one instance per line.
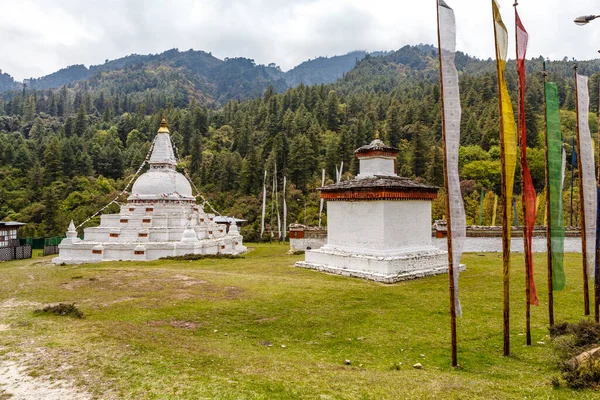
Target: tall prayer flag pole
597,264
548,217
587,184
451,114
527,190
272,203
262,224
555,163
275,182
284,209
508,160
321,204
573,161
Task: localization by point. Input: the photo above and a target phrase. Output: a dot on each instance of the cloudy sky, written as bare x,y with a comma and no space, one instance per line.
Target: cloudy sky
38,37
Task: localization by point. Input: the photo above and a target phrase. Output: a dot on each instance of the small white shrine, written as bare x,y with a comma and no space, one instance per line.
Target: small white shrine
378,224
161,218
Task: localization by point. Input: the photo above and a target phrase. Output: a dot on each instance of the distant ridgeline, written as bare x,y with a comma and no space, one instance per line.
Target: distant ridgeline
70,141
212,81
7,82
219,80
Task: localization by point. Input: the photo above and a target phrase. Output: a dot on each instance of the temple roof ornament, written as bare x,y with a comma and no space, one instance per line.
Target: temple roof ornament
163,126
376,148
378,179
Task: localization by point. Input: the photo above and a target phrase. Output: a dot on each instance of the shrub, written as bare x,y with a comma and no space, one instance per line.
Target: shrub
572,340
65,310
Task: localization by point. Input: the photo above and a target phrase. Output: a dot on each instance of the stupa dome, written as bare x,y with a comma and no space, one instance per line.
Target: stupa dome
162,182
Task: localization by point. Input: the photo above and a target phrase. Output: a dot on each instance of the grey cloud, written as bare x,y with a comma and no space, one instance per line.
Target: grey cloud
285,32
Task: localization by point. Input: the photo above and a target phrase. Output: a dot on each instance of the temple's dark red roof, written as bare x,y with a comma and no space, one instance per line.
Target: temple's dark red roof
379,182
378,188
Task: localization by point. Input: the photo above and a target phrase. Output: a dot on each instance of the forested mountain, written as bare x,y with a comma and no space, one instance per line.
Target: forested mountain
66,152
206,78
323,69
6,82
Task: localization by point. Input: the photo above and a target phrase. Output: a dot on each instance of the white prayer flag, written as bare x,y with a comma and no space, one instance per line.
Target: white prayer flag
264,205
452,115
588,172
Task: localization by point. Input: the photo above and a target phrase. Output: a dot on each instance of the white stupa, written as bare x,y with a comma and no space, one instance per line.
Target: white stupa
379,224
161,218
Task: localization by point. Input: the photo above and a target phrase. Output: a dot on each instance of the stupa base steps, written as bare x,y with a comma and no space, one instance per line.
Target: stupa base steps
91,252
385,269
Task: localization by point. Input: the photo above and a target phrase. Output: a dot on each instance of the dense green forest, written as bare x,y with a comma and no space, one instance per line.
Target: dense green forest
65,152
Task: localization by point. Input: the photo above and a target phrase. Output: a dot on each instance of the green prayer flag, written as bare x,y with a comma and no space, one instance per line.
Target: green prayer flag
557,226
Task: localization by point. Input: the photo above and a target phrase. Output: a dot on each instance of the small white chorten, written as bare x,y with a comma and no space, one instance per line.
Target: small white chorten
161,218
379,224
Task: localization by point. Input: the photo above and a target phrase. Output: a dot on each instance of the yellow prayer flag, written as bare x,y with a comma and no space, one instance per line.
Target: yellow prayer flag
507,118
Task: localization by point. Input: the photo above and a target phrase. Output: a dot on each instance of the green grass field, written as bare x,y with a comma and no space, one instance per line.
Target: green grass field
259,328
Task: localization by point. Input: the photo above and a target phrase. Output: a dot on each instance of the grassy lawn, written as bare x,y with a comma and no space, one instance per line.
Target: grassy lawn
259,328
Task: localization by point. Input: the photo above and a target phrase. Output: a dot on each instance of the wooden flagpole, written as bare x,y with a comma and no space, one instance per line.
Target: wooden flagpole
548,228
448,217
505,216
597,264
526,249
586,290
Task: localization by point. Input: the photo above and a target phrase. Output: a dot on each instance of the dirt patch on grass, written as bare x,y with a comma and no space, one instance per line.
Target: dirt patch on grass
11,304
268,319
233,292
132,281
187,281
16,383
176,324
117,301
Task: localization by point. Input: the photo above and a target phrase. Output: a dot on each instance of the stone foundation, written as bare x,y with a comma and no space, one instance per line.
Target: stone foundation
385,269
304,238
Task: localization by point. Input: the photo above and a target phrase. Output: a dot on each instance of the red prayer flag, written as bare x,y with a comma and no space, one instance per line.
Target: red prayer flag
528,189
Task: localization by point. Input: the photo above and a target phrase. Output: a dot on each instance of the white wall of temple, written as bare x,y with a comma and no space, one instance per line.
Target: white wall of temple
381,227
408,224
355,224
371,166
307,243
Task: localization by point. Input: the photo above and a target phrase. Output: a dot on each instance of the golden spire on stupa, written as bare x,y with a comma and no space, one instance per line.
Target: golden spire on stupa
163,126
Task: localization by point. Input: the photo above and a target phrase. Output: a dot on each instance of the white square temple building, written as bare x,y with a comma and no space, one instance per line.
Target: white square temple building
161,218
378,224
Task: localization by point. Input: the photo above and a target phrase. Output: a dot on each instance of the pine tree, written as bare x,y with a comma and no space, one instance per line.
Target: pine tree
53,108
302,162
394,124
80,121
196,153
52,161
333,112
29,109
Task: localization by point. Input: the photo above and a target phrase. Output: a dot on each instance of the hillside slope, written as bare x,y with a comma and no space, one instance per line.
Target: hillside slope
202,76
